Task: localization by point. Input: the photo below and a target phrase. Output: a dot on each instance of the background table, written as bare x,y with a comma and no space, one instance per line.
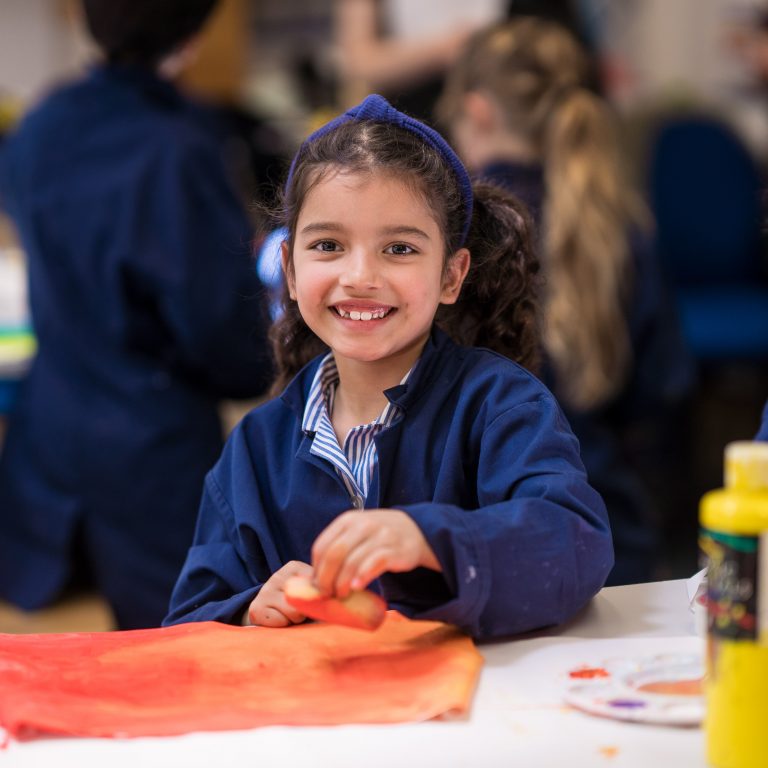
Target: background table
517,718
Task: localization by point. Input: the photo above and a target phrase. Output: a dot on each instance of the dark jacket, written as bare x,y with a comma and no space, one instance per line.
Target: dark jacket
624,442
147,311
483,461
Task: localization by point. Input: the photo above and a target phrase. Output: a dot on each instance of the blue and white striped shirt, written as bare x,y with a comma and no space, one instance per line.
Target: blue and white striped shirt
357,461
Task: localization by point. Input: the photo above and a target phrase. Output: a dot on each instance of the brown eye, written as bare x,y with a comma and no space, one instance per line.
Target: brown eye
400,249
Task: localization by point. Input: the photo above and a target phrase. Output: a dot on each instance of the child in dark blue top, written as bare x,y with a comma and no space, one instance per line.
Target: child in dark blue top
444,475
523,116
147,311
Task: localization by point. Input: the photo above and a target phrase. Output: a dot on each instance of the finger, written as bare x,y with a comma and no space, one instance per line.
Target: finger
268,616
327,568
370,568
328,536
297,568
351,575
292,614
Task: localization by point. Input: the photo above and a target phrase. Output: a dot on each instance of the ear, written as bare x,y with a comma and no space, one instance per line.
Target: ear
290,277
480,111
455,272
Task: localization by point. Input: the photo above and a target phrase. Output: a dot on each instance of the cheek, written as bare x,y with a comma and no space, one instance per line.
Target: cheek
424,289
310,282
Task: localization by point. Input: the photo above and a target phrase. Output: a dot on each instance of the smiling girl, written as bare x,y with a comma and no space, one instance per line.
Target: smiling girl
400,454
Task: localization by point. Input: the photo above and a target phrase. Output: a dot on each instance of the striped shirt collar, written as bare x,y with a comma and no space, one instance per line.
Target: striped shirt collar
322,394
435,356
356,460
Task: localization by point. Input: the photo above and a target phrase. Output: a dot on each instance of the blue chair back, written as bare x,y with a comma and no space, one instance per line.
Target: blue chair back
705,191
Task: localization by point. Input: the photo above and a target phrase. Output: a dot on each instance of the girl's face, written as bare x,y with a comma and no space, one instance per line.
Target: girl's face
367,269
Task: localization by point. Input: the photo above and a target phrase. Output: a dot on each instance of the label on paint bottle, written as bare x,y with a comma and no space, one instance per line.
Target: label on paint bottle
737,595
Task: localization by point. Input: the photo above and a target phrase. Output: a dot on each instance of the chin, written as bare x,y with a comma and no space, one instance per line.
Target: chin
362,356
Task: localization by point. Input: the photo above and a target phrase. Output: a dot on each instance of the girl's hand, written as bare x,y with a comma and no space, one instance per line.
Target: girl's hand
269,608
357,547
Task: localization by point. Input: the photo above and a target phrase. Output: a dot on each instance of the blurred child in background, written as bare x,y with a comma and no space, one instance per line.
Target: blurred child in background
522,116
147,312
401,48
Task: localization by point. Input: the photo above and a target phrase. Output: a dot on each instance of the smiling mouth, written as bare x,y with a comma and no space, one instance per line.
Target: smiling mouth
365,315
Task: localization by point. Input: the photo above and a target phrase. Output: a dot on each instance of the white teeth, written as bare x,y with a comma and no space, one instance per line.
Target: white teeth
377,314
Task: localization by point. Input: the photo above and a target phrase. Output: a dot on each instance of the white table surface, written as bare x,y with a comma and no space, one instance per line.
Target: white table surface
517,716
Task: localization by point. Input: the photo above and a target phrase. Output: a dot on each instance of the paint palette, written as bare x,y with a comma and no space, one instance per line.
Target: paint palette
663,690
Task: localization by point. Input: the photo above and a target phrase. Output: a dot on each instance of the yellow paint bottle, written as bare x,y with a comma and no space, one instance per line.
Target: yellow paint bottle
734,541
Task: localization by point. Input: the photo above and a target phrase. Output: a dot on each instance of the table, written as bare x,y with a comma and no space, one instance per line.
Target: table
517,717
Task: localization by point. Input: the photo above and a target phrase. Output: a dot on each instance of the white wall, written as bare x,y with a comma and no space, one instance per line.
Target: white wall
674,51
38,46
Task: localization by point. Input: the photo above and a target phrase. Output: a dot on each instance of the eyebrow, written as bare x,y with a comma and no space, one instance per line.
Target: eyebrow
332,226
405,230
321,226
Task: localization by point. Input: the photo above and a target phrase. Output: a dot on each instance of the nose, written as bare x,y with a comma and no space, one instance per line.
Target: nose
361,270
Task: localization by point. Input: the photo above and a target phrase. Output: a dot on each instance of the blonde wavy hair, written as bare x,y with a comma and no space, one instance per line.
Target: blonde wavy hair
537,74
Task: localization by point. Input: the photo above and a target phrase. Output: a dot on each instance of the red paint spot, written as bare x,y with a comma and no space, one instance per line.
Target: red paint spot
589,673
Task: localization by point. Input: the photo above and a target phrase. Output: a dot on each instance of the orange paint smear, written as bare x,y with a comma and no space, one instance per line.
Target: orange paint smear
609,751
211,676
692,687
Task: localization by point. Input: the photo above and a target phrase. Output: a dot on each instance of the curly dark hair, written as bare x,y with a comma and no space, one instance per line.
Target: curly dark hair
497,307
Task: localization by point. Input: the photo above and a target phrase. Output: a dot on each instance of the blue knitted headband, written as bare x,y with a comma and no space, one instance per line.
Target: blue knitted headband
377,109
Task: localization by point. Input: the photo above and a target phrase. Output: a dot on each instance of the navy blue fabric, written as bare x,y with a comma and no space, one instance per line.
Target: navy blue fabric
8,390
377,109
147,311
481,458
725,322
613,436
705,192
524,180
763,432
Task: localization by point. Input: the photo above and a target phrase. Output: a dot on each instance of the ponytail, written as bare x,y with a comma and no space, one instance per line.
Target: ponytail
587,215
497,307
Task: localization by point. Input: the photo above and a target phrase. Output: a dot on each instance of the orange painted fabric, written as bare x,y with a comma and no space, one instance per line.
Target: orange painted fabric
210,676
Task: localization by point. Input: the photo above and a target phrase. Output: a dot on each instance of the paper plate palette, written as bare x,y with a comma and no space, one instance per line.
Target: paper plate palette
664,690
